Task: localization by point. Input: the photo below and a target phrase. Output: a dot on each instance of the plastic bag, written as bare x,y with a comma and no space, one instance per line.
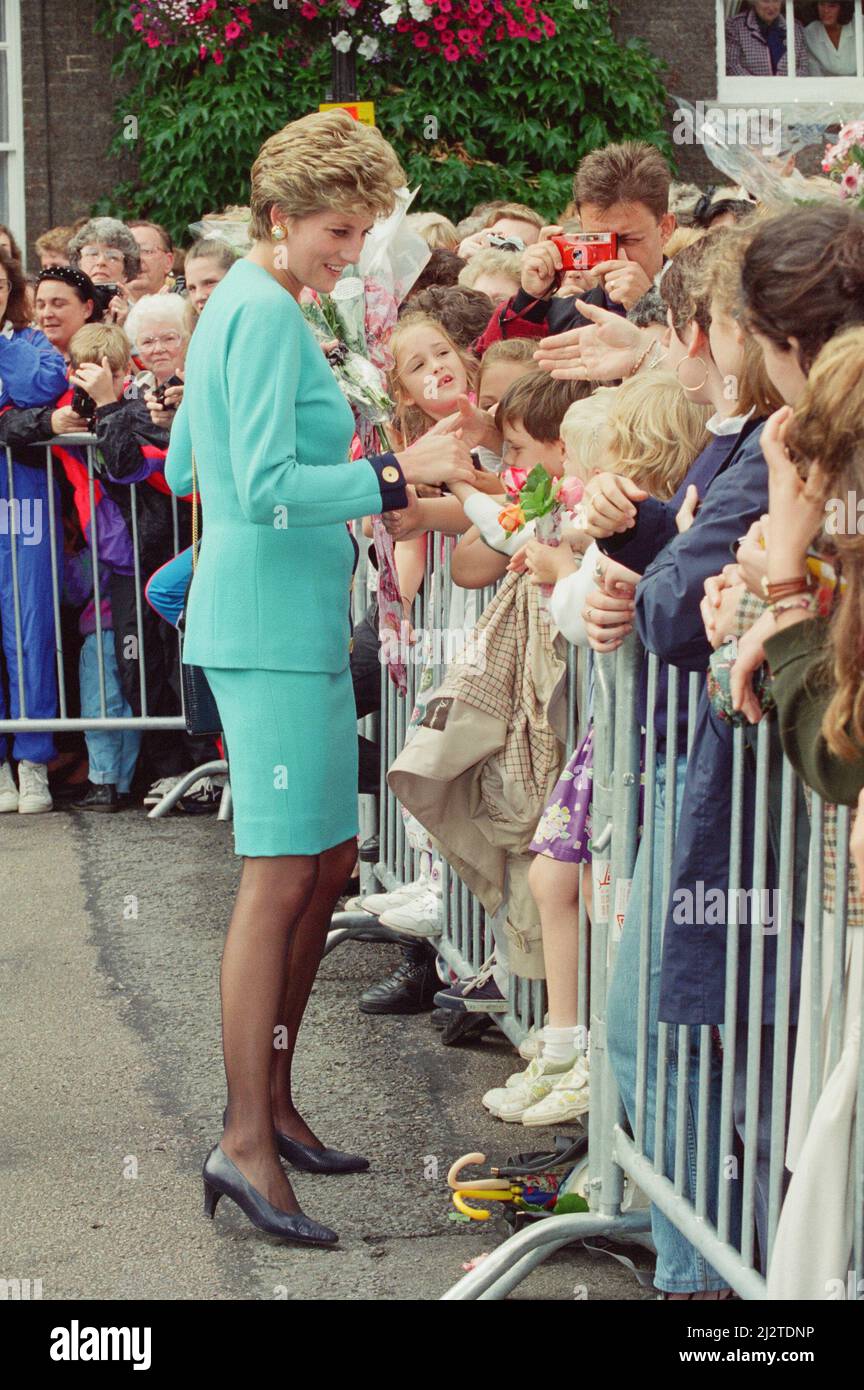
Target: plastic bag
747,165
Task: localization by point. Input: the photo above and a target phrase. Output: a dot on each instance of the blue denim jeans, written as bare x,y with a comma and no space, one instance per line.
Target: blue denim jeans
680,1267
113,753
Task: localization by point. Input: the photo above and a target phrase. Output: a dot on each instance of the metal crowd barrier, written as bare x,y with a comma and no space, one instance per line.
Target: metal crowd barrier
46,534
716,1212
467,939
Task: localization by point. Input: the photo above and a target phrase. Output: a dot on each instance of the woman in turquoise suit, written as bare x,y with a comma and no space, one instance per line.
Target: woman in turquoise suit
268,619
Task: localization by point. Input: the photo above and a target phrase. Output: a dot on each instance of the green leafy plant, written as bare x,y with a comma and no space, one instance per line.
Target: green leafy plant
512,126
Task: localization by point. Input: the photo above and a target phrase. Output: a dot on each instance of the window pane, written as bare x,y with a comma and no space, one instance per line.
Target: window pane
4,97
4,188
2,21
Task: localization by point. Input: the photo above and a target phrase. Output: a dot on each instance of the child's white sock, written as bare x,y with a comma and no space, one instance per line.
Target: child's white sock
560,1044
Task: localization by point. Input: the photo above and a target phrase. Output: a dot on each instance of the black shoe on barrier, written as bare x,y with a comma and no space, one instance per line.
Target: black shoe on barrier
411,987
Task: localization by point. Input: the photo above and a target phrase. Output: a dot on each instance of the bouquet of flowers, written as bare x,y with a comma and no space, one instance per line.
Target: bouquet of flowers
540,498
844,162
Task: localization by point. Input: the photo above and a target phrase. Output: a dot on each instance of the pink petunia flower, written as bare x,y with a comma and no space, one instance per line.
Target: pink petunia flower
447,37
421,40
444,6
465,35
439,22
549,27
232,31
452,54
308,10
153,41
218,56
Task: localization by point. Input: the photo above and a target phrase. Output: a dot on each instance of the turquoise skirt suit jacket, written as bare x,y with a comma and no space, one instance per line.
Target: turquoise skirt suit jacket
268,611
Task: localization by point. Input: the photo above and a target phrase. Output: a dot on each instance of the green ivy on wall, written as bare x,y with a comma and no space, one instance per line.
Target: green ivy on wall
514,126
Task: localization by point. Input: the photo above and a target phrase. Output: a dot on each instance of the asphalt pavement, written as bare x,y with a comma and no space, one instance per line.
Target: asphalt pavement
111,930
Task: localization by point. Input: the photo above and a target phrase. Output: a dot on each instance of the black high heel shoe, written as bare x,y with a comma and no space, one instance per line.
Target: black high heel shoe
222,1178
310,1160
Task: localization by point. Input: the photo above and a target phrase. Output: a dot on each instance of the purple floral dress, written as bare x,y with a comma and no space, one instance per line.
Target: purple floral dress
564,829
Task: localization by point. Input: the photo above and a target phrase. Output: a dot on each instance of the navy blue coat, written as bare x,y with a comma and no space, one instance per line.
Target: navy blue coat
669,623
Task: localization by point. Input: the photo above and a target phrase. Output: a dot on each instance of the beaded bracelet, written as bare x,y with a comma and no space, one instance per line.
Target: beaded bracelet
784,605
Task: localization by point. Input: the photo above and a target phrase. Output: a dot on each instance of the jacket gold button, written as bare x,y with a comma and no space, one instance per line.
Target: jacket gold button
390,474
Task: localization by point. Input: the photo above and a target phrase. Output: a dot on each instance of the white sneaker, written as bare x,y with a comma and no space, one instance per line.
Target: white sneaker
160,789
8,789
33,793
421,915
509,1102
383,902
568,1099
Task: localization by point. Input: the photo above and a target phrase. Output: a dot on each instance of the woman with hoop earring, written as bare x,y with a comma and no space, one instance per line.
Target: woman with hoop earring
268,620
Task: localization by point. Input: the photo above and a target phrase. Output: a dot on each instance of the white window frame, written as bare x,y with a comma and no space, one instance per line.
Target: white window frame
13,148
769,91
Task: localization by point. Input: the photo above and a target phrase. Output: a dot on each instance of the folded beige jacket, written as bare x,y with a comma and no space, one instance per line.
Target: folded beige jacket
482,764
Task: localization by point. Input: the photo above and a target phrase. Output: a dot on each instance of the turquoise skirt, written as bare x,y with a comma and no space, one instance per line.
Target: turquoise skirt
291,742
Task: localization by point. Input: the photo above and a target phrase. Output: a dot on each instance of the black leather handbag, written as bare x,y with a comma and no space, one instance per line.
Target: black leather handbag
199,706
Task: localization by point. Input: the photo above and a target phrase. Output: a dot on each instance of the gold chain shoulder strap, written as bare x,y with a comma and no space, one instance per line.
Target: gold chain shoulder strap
195,504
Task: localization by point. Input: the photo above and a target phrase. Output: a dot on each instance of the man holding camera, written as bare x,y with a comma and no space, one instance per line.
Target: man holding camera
620,189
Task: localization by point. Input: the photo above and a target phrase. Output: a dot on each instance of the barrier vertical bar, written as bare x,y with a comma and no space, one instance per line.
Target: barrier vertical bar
754,1013
55,582
815,928
783,915
16,593
730,1008
97,587
647,850
669,829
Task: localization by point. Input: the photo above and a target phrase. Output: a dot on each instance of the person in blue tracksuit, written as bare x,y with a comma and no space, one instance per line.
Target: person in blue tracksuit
32,373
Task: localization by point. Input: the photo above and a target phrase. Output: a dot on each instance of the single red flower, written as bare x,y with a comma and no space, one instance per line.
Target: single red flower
421,40
452,54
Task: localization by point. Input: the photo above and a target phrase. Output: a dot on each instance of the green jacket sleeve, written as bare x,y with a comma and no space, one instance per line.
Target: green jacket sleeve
178,461
272,487
802,695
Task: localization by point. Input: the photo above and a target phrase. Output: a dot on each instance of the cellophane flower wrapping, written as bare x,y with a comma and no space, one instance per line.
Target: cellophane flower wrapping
548,529
361,314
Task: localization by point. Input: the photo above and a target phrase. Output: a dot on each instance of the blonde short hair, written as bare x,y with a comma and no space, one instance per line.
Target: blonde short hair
97,340
158,308
580,430
436,230
324,160
491,262
654,431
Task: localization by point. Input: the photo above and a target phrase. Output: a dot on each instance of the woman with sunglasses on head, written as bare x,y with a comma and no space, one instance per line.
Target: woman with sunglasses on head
106,250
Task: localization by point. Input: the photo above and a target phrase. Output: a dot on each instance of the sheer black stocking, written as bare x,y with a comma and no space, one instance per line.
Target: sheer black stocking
304,957
273,897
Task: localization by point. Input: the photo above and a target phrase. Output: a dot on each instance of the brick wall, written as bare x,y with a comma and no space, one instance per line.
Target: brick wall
683,33
68,102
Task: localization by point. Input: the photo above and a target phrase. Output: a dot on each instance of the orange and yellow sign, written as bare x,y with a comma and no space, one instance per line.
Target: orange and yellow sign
363,111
